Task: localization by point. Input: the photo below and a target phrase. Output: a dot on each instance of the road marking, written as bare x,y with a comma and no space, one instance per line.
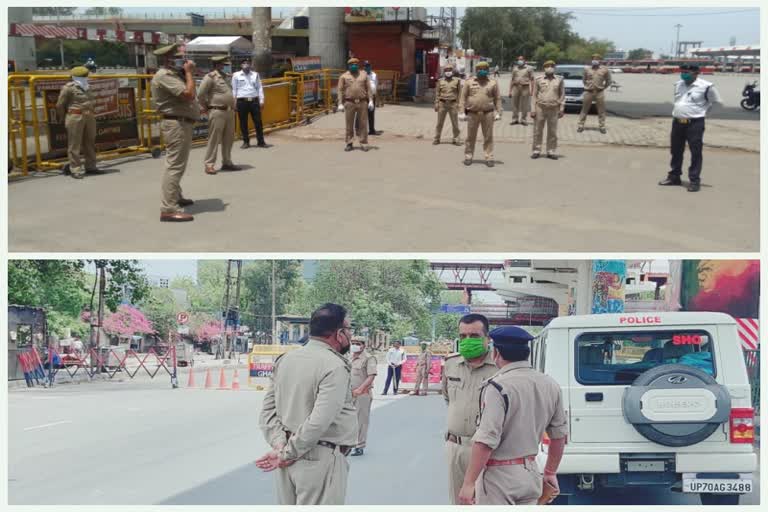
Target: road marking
36,427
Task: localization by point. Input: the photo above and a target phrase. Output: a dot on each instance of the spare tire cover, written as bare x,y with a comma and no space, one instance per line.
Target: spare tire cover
676,405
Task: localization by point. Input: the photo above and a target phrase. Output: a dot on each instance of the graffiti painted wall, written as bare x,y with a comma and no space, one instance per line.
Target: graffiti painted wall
725,286
608,277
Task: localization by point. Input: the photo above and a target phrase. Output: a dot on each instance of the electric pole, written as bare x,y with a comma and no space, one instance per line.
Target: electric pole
230,311
677,40
275,341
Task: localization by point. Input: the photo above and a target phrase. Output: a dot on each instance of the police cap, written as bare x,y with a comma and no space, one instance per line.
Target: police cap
520,57
79,71
219,58
482,65
596,56
510,335
448,68
690,67
549,63
353,60
164,51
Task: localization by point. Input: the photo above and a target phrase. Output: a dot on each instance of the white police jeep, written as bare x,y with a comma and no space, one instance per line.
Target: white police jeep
653,399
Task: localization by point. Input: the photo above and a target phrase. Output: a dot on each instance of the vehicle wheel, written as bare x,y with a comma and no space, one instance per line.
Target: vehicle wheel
563,499
719,499
645,405
746,105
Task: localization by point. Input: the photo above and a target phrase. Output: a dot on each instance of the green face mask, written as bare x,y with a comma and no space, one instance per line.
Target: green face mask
353,68
687,77
482,73
470,348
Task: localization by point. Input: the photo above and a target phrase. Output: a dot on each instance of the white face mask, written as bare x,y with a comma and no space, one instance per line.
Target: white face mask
356,348
448,74
81,81
595,62
549,71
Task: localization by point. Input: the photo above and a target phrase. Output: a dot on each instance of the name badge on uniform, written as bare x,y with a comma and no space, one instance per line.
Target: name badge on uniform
456,379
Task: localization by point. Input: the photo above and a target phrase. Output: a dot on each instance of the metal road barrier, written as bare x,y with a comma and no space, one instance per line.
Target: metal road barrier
128,124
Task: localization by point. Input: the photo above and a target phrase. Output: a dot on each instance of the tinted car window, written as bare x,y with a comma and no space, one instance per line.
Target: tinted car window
571,73
620,357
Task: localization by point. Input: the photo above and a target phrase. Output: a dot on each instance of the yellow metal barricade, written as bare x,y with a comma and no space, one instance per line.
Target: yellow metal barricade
261,362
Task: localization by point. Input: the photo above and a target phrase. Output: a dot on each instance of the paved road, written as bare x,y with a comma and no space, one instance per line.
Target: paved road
141,443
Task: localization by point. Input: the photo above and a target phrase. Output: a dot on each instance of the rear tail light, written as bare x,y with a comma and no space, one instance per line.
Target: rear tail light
742,423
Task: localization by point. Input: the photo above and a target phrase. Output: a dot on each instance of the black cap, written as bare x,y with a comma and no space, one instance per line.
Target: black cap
690,67
510,335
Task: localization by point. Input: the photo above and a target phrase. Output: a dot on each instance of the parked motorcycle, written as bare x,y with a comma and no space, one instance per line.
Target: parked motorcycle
751,95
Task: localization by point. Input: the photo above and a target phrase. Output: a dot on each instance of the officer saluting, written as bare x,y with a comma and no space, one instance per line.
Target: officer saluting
173,89
77,102
517,405
216,99
309,417
463,374
481,103
447,103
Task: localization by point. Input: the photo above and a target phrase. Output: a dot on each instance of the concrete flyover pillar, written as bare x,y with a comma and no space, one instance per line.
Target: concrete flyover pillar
327,36
261,25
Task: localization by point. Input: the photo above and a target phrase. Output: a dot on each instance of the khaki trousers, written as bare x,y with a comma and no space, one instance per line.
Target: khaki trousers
81,135
363,405
485,120
451,109
352,109
221,131
548,116
599,98
521,101
178,142
458,462
509,485
318,478
422,378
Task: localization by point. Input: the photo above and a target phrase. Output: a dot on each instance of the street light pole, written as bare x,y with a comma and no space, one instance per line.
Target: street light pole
677,41
274,320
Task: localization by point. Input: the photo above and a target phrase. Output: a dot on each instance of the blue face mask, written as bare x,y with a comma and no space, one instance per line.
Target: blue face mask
227,69
483,73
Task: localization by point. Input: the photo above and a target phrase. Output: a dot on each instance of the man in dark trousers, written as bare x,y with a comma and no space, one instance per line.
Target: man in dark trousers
693,99
249,94
395,359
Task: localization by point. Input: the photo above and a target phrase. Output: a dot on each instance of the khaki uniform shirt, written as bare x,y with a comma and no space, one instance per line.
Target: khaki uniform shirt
215,90
522,76
596,79
447,90
461,389
477,96
363,366
310,397
72,96
425,359
518,405
353,87
548,92
167,87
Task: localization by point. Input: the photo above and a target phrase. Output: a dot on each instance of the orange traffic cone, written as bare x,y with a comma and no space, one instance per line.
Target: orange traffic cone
235,382
191,381
208,383
222,380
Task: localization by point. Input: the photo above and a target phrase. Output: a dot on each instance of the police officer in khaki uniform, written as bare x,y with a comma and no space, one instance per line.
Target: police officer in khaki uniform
423,365
547,106
481,103
77,102
355,97
173,90
363,374
447,103
520,91
463,375
518,404
309,417
218,103
597,79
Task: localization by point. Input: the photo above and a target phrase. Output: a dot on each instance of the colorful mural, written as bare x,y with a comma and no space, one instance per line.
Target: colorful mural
725,286
608,277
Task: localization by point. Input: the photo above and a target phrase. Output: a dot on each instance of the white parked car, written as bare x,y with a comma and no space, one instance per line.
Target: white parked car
652,399
616,70
573,77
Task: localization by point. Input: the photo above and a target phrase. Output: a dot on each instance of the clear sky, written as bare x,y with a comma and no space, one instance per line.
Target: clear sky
628,27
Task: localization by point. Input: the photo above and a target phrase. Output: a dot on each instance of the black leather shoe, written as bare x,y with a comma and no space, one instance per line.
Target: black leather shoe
694,186
467,161
552,156
490,163
185,202
263,145
535,155
245,145
603,131
348,148
230,167
669,182
580,129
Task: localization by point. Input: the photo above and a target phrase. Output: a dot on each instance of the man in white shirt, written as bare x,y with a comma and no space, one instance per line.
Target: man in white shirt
693,99
373,80
249,94
395,359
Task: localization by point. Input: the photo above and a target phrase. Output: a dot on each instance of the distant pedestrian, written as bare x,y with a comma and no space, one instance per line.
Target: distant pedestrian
395,358
547,106
520,91
249,93
597,78
480,105
423,365
694,97
363,375
308,416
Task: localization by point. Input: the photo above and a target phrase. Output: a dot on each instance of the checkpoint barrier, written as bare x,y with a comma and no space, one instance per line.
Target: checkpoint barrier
261,362
106,361
408,373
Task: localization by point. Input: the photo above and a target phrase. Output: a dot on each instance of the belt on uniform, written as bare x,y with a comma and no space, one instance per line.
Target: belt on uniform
249,100
79,111
179,118
480,111
447,101
344,450
510,462
350,100
683,120
216,107
453,438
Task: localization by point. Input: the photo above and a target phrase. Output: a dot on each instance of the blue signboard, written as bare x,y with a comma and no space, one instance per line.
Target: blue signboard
461,309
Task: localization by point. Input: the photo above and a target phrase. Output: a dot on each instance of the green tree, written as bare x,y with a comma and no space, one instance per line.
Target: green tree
548,51
639,54
256,292
125,282
161,309
206,294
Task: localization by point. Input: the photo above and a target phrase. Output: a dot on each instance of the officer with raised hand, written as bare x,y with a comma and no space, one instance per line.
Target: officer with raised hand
517,405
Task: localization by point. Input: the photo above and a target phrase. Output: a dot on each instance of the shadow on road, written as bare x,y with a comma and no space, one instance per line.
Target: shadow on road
207,206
